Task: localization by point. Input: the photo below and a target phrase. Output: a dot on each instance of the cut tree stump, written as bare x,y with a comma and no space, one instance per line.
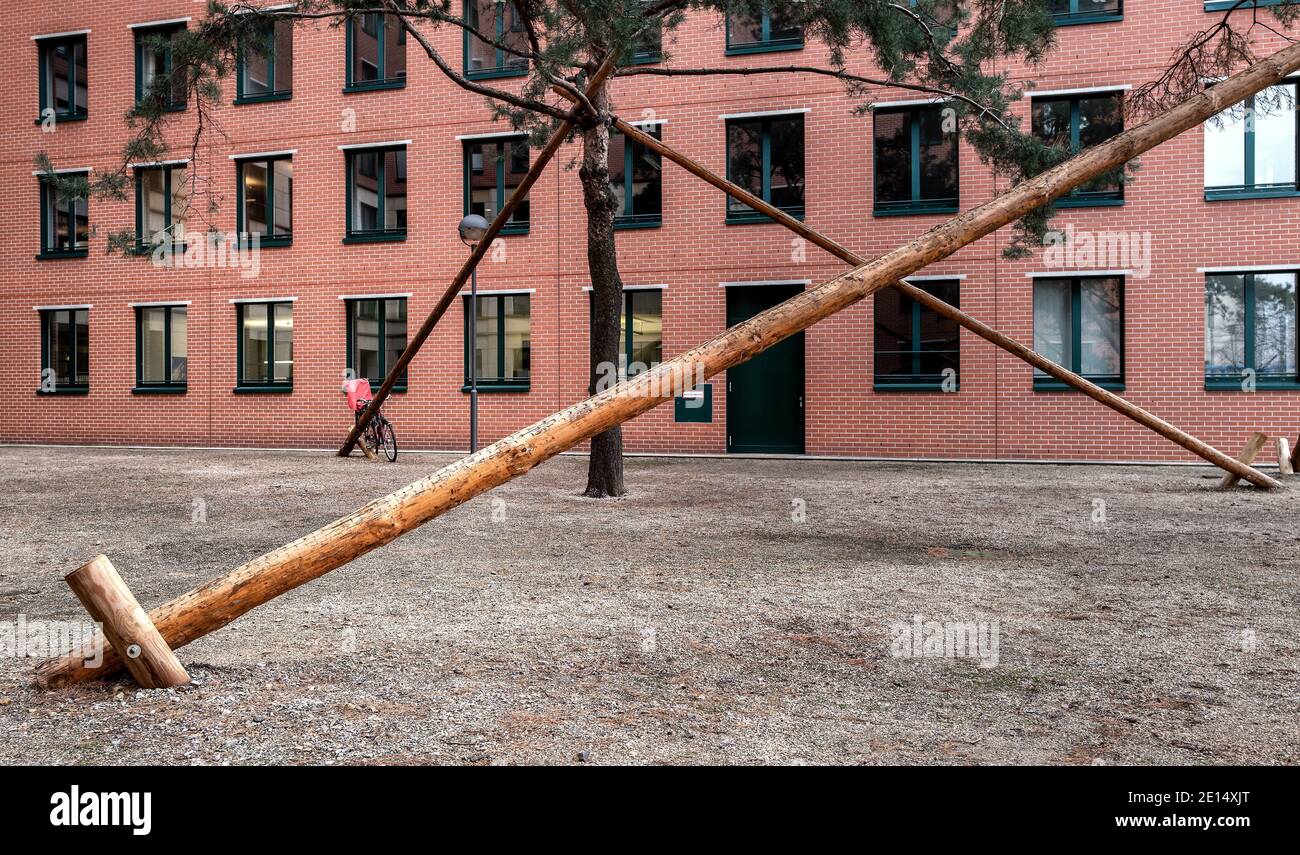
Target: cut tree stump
1248,454
1284,464
127,627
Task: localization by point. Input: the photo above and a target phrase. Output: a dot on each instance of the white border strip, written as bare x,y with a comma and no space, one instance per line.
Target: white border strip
503,292
1086,90
61,35
160,304
913,102
491,136
635,288
374,144
1254,268
58,308
263,299
934,277
159,163
1069,272
148,24
70,171
804,282
793,111
373,296
648,123
259,154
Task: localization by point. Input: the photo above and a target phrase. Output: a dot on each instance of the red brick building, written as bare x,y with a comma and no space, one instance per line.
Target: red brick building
354,159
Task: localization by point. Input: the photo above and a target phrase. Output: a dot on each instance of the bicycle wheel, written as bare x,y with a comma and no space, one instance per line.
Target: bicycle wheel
387,439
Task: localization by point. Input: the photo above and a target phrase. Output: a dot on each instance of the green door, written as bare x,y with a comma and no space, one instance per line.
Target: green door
765,395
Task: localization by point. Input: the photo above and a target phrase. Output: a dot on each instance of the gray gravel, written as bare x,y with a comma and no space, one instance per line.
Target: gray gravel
695,621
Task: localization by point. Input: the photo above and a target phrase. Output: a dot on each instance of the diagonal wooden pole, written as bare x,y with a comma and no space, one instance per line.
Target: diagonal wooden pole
224,599
480,249
1236,468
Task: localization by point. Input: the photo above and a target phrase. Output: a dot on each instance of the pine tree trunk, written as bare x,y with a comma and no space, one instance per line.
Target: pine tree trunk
605,469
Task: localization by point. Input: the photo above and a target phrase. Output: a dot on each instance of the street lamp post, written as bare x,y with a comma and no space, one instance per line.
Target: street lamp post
472,228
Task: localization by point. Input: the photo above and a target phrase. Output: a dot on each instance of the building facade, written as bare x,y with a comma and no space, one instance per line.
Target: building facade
352,159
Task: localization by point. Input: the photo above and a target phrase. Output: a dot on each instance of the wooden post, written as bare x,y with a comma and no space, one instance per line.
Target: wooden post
1284,465
413,346
1104,396
224,599
1248,454
129,630
1295,456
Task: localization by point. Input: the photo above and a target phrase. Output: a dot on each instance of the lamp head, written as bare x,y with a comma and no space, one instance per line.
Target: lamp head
472,229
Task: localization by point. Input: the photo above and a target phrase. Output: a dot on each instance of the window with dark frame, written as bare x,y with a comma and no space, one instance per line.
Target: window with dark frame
636,176
153,61
1067,12
264,204
1250,330
640,330
915,159
376,52
377,329
62,73
376,194
265,67
65,351
65,224
1074,123
161,348
776,29
916,348
161,204
500,338
1079,324
265,345
765,155
500,23
494,167
1250,149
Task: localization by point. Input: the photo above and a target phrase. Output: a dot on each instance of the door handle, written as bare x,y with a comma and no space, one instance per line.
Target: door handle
801,402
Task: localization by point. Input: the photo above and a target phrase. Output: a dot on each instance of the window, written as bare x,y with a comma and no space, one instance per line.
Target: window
265,71
915,162
765,156
65,351
153,66
493,169
649,45
65,224
1250,330
499,22
376,53
775,29
635,173
376,194
265,347
501,342
1250,150
1067,12
916,348
161,201
1073,123
265,200
641,331
62,76
1079,324
376,338
160,348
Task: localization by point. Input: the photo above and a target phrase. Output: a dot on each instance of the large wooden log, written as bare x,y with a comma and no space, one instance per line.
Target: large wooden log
222,600
1248,454
128,629
558,137
1284,466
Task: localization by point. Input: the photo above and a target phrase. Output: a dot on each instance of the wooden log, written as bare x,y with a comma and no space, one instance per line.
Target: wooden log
1284,465
132,635
558,138
365,449
222,600
1248,454
1110,399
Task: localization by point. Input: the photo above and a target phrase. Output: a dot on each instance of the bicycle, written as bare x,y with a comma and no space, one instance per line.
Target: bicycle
379,434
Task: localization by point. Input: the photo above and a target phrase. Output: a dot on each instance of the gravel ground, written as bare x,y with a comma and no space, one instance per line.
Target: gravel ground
725,611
